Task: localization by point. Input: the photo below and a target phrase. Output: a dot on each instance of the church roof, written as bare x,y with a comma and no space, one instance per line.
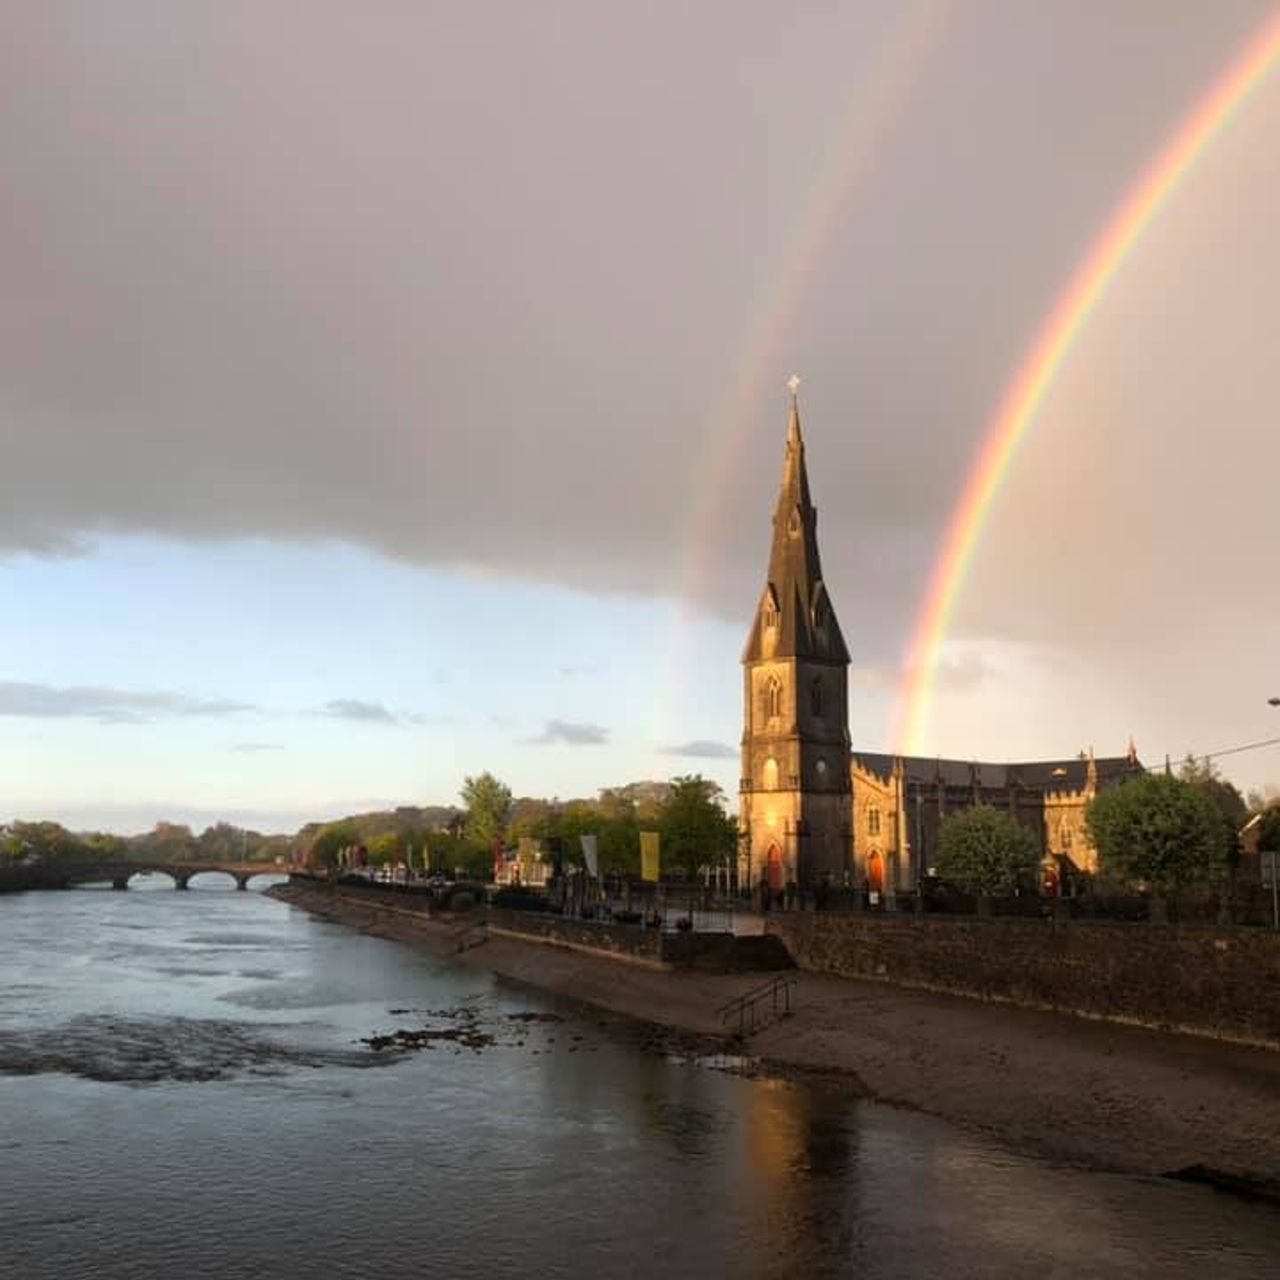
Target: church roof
1034,775
795,595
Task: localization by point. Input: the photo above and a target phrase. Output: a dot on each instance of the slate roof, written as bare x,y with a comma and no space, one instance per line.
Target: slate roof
1034,775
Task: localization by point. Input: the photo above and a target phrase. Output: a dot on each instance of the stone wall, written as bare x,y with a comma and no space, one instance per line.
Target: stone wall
1218,982
711,952
623,941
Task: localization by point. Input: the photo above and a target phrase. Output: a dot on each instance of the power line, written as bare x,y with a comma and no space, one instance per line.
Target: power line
1229,751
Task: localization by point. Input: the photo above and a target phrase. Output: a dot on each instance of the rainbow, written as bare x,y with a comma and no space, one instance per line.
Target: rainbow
1044,361
864,126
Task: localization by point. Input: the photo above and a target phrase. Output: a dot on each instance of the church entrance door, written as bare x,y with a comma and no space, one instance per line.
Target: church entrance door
875,875
773,864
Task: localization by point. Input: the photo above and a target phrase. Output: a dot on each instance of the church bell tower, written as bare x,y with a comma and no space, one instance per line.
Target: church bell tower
796,804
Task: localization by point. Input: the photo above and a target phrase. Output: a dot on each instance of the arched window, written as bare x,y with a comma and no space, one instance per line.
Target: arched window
770,609
873,821
769,774
815,697
772,698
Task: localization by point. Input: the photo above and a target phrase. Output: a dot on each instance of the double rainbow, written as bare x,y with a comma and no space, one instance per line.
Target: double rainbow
1024,396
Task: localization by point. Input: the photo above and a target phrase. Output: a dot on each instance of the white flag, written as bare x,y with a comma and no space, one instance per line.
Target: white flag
589,854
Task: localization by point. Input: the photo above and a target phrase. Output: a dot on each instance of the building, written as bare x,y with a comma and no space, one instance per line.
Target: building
812,808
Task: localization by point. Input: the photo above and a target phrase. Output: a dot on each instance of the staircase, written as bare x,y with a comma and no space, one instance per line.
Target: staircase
759,1006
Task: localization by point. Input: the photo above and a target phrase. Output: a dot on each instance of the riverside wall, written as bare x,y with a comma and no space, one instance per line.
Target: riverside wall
710,952
618,941
1217,982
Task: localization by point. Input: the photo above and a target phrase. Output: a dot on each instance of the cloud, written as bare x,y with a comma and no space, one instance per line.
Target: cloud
959,673
702,749
256,746
108,706
571,734
357,709
324,385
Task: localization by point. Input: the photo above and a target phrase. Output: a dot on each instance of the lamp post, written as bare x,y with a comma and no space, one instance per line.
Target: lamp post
1275,881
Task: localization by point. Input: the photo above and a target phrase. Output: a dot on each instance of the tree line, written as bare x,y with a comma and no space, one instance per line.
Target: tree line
1162,833
688,812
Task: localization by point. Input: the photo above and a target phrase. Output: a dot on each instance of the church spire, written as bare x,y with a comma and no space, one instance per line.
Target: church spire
795,618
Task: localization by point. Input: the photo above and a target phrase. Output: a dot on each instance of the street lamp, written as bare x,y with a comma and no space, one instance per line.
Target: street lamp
1275,880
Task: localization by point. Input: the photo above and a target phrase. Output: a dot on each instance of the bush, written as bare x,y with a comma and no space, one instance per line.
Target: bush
985,851
1158,831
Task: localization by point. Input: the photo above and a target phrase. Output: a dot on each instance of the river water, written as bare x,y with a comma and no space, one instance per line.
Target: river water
185,1092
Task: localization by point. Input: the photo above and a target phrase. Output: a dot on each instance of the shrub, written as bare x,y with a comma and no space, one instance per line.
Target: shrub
1158,831
986,851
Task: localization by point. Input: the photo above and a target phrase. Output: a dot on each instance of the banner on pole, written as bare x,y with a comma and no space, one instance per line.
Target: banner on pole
649,860
589,855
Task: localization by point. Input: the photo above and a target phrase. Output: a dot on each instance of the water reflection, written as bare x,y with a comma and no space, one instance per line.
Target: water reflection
801,1153
223,1037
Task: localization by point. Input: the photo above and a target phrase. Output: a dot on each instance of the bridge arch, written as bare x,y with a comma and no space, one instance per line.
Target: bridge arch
215,879
150,876
259,880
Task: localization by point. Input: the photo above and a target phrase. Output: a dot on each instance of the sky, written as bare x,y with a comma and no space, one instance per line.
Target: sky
397,391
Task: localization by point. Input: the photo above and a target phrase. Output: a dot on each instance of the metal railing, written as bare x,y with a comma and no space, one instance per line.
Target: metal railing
762,1004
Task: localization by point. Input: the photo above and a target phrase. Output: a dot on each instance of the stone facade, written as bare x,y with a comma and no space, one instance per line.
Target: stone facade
795,791
811,809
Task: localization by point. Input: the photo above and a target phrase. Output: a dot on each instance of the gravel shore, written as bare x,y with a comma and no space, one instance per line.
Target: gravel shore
1091,1093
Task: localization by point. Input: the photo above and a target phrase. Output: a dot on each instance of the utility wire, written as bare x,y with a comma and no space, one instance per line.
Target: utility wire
1226,751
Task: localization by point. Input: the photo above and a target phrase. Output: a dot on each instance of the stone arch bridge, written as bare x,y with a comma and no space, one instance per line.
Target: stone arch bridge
66,875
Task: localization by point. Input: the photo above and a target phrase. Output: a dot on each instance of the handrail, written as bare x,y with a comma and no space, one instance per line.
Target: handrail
745,1005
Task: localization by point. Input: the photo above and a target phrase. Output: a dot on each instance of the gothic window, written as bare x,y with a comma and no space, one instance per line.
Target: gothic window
793,527
770,614
815,697
772,698
873,821
769,774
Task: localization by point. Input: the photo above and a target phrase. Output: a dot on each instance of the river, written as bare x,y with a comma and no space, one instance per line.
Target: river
185,1091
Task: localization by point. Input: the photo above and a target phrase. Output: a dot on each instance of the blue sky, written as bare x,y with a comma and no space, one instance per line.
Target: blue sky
362,681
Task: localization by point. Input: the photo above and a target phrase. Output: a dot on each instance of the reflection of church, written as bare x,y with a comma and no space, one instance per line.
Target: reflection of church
813,808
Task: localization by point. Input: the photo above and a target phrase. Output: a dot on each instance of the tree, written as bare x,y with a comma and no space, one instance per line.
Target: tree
488,803
329,843
986,851
384,847
1203,774
694,826
1159,831
223,842
169,842
41,840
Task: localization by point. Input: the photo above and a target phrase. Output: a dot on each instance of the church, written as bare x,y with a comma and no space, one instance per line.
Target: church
814,809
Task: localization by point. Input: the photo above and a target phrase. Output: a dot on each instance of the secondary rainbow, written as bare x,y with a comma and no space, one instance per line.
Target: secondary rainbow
874,104
1053,344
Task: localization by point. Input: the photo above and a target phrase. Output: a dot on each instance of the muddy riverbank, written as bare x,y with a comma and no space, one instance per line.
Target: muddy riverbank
1091,1093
